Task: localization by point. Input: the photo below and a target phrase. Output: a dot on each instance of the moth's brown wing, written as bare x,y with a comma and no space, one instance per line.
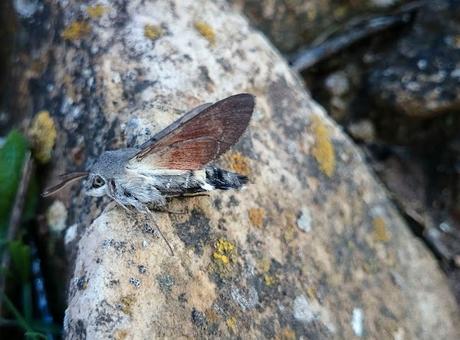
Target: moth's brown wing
65,180
200,136
159,135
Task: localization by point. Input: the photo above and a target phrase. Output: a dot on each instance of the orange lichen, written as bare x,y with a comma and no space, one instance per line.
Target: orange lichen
152,32
231,323
323,150
42,134
96,11
206,31
287,334
238,163
256,216
76,30
120,334
380,232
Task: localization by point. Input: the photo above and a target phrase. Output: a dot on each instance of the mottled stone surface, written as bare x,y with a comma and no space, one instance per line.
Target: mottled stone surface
293,24
312,248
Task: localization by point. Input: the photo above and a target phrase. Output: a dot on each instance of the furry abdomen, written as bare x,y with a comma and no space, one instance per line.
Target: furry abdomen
176,183
140,189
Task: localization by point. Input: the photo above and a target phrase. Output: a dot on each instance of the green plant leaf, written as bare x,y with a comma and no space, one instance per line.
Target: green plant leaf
35,335
11,159
27,303
19,318
31,203
21,260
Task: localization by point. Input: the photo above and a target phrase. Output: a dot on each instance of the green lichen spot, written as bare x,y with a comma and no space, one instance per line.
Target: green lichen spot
206,31
152,32
76,30
323,150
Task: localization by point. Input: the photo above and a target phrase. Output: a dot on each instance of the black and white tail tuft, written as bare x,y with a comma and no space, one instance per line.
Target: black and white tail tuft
223,179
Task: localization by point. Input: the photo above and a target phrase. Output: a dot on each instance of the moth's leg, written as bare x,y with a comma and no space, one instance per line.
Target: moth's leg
166,210
198,194
160,204
151,220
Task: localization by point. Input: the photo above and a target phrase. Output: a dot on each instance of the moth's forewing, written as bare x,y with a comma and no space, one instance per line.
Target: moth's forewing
66,179
200,136
173,126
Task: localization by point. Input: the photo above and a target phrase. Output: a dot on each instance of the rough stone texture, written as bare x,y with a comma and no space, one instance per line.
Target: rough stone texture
420,77
311,248
292,24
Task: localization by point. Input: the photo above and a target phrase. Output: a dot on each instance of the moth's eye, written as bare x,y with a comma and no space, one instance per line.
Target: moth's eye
98,182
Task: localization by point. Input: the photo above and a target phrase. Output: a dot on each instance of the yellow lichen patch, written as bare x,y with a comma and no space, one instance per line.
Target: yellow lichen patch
256,216
323,150
238,163
206,31
42,134
311,293
126,303
96,11
76,30
289,229
224,252
380,232
270,280
231,323
264,265
152,32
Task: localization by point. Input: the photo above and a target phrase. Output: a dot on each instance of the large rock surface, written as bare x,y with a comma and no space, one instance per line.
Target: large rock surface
312,248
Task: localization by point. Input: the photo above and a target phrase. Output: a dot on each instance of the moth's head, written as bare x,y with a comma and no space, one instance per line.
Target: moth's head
95,185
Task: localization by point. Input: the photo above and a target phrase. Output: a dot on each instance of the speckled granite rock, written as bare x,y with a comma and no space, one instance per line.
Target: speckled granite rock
312,248
292,24
420,77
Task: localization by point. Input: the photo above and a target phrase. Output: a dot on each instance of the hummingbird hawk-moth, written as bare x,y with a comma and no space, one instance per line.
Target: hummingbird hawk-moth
174,162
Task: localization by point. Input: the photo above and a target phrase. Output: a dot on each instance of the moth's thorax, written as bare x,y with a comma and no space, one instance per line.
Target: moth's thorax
112,163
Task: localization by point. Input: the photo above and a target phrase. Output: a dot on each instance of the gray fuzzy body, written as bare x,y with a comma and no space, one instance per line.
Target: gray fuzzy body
139,186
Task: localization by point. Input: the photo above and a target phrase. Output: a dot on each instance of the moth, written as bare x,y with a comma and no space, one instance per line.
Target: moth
174,162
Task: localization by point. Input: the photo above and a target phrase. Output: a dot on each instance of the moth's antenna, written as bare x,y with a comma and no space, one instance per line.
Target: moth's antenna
164,238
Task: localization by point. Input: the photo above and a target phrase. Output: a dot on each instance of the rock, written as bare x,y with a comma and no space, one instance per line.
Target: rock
362,130
294,24
420,76
357,270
